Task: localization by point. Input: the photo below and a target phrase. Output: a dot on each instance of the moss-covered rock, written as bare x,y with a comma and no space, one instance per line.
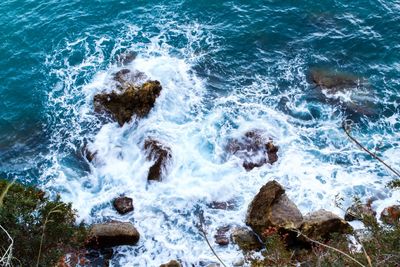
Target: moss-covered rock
28,215
133,100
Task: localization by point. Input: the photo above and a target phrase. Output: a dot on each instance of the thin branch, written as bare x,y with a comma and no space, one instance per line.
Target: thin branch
327,246
346,128
5,260
201,228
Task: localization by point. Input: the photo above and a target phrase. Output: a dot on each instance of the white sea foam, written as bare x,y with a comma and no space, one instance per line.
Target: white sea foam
316,161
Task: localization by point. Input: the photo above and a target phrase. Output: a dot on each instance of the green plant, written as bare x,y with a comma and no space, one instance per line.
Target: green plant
41,228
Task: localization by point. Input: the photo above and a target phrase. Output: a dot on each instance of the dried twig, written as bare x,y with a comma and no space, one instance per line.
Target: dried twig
204,234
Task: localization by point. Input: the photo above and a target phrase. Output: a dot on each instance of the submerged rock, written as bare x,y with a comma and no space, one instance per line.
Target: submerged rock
126,77
321,224
391,215
359,212
172,263
254,149
127,57
133,100
227,205
335,81
220,237
271,208
112,234
160,154
123,205
246,239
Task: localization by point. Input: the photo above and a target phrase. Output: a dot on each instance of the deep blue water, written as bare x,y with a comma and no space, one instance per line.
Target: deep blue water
252,61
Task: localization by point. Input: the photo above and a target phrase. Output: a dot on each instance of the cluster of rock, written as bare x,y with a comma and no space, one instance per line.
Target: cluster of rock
253,149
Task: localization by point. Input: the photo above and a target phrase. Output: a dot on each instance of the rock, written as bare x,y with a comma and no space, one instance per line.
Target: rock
254,149
88,154
321,224
112,234
123,204
126,77
228,205
391,215
246,239
271,208
158,153
359,212
172,263
334,81
220,237
127,57
134,100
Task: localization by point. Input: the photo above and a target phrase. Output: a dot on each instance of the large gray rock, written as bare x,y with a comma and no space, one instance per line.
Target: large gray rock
123,204
272,208
112,234
321,224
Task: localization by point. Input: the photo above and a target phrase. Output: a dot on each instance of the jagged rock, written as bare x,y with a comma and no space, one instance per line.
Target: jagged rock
172,263
391,215
246,239
125,78
359,212
272,208
254,149
158,153
220,237
133,100
123,204
127,57
112,234
334,81
321,224
228,205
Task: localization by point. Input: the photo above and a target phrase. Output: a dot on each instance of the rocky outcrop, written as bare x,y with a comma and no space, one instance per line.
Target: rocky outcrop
172,263
272,208
334,81
112,234
126,57
321,224
123,205
359,212
160,154
133,100
254,149
221,237
391,215
246,239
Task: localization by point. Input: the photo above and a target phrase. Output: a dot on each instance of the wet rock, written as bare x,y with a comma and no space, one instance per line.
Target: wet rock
127,57
271,208
334,81
88,154
227,205
221,237
134,100
254,149
123,205
246,239
126,78
172,263
321,224
112,234
160,154
391,215
359,212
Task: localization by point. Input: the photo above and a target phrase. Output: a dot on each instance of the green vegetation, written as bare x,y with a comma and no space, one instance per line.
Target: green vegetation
35,230
380,247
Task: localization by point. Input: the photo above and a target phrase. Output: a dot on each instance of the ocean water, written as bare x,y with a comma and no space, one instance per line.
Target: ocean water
226,67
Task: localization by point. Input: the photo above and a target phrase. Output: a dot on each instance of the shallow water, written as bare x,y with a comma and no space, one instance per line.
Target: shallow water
225,68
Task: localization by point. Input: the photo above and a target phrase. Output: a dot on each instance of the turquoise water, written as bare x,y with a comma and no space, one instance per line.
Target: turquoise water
226,67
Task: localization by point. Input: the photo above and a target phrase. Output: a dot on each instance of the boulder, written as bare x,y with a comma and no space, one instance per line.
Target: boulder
391,215
133,100
221,237
172,263
123,205
321,224
271,208
158,153
254,149
359,212
112,234
246,239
